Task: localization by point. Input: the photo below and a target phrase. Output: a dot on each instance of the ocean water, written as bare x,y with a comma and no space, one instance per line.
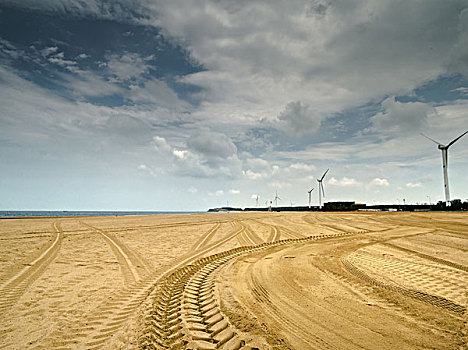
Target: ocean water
58,213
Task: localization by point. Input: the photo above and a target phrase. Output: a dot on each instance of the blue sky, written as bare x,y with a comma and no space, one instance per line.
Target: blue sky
186,105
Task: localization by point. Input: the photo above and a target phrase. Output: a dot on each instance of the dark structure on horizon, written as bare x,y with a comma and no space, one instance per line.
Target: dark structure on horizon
456,205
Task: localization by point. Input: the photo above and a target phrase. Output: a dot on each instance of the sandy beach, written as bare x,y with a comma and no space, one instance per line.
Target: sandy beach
235,280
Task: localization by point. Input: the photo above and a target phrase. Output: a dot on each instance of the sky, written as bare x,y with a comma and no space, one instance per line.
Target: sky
185,105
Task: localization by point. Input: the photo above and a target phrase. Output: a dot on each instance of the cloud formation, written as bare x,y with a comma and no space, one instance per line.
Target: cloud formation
343,182
410,117
378,182
238,95
299,119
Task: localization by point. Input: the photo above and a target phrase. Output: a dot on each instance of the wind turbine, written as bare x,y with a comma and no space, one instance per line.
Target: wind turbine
256,201
320,186
444,149
310,195
276,198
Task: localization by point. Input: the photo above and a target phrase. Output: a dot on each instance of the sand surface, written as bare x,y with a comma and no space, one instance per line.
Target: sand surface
235,280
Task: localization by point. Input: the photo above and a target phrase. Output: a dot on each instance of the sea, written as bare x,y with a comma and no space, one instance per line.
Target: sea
60,213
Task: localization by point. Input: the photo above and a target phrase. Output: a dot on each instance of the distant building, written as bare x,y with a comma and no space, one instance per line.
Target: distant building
342,206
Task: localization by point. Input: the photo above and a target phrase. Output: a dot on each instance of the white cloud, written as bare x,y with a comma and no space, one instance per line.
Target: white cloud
378,182
401,117
463,90
302,167
257,164
87,83
254,196
160,144
233,191
413,185
343,182
219,193
209,154
155,92
299,119
128,66
192,190
253,175
49,50
211,145
180,154
279,184
142,167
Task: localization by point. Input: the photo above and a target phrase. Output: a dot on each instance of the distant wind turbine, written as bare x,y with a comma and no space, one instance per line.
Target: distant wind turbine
444,149
320,188
256,201
310,195
276,198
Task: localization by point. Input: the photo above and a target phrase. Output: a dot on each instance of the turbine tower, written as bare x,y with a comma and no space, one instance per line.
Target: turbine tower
256,201
310,195
276,198
320,188
444,149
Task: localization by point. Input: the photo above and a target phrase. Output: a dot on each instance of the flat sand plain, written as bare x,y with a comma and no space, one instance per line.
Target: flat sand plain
235,280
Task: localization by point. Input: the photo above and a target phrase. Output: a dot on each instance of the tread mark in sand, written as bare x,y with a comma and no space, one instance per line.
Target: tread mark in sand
206,237
428,257
415,294
12,289
132,296
184,310
128,268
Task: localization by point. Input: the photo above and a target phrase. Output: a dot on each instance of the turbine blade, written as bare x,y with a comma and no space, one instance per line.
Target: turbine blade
459,137
323,191
325,173
427,137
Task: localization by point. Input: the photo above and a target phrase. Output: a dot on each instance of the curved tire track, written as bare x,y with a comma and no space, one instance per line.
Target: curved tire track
262,296
274,234
184,311
128,266
12,289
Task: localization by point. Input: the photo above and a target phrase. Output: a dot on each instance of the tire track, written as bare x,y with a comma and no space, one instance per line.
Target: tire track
106,320
206,237
421,296
428,257
243,238
283,231
12,289
128,266
262,296
289,232
252,236
184,311
274,234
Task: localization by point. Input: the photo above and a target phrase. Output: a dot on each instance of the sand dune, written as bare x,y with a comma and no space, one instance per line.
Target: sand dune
235,280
